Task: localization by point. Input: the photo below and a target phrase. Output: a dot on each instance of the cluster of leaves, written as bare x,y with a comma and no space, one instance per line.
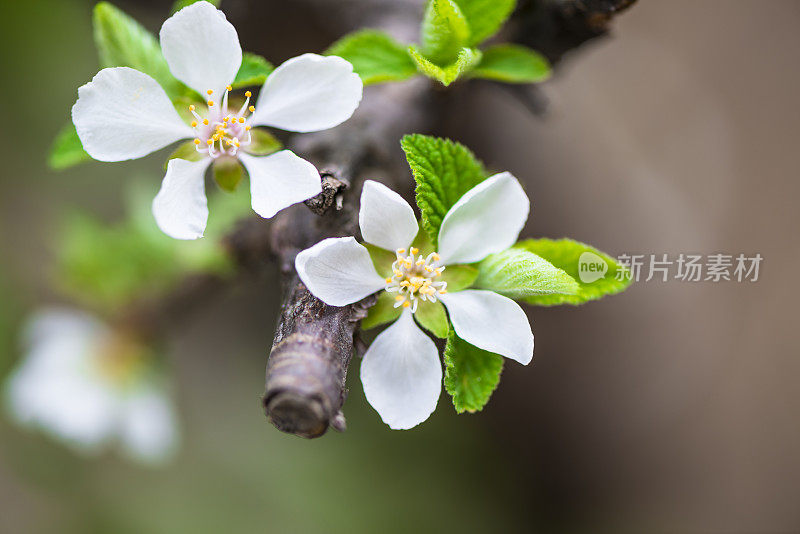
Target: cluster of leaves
107,267
122,42
451,32
541,272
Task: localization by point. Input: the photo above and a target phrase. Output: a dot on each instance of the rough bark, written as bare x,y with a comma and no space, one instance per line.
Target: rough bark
555,27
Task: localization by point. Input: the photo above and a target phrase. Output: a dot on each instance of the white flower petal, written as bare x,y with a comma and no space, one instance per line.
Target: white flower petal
386,220
82,412
491,322
149,428
309,93
54,388
487,219
401,374
124,114
180,207
338,271
201,48
279,180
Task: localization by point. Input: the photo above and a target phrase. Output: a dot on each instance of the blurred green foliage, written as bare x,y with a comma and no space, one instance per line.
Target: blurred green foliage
107,266
9,320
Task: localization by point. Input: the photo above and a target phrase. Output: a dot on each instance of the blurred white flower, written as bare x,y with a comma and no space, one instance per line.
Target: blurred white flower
401,373
125,114
87,385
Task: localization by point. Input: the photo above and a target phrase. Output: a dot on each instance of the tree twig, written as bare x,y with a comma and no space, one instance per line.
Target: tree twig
555,27
307,367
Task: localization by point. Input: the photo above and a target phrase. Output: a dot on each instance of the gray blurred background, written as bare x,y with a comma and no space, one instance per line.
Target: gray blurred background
670,408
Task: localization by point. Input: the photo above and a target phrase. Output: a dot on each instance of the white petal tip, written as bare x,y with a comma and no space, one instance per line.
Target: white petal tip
338,271
279,181
309,93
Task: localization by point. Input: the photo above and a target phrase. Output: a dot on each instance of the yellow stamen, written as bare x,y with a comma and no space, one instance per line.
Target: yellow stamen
210,92
191,108
197,141
406,304
194,124
414,250
248,94
252,109
229,88
210,103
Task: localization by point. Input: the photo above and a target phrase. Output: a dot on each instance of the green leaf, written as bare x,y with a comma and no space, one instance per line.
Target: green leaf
444,31
185,151
459,277
512,64
466,59
67,149
432,317
565,254
485,17
382,259
470,375
517,273
444,171
262,143
382,312
228,173
123,42
180,4
375,56
254,71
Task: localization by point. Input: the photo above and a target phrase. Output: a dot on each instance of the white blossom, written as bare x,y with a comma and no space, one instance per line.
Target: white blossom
401,372
124,114
88,386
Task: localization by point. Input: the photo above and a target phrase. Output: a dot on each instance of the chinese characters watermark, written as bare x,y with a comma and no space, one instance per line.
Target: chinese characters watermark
682,267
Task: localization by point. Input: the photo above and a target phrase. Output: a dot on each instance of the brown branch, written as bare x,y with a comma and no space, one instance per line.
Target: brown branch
555,27
307,367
